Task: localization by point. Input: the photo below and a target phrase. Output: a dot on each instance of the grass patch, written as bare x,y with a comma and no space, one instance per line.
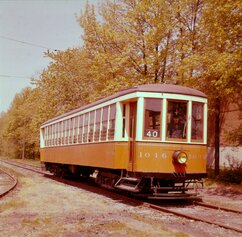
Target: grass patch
165,231
33,222
11,204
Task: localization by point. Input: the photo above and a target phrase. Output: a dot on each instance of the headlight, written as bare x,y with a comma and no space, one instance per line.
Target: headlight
180,157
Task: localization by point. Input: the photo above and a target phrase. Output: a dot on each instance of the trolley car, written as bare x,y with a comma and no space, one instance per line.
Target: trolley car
149,140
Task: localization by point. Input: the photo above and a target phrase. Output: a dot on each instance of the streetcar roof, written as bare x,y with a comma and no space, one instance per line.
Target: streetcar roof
163,88
153,88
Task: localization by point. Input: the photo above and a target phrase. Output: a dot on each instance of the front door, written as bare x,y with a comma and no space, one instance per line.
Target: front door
132,133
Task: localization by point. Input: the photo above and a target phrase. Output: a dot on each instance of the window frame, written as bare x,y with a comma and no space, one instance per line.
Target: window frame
85,126
97,132
186,139
158,138
203,122
80,129
91,122
106,121
111,138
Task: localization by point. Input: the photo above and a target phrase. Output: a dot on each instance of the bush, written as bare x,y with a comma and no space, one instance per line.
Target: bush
229,174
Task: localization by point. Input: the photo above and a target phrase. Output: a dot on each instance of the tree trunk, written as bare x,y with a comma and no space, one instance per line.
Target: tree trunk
165,57
217,136
23,150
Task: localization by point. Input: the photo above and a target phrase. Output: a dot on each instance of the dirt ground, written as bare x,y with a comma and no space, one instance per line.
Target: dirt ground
41,206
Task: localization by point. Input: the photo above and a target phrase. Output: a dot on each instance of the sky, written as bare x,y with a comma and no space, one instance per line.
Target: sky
28,28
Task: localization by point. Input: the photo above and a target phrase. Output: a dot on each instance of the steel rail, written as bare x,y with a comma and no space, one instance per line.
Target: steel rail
12,186
216,207
23,166
153,206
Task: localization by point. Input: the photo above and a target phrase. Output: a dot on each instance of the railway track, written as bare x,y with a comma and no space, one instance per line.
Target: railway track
206,213
7,182
34,168
198,211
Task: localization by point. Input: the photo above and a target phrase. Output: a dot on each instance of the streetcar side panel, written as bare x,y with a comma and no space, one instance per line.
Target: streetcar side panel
110,155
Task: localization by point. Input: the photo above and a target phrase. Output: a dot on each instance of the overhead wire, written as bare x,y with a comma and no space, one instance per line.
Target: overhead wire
28,43
12,76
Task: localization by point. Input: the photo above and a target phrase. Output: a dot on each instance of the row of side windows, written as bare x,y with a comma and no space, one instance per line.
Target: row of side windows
95,126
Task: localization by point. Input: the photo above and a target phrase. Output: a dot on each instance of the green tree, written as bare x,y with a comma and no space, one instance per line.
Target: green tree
131,44
17,126
2,121
216,64
64,85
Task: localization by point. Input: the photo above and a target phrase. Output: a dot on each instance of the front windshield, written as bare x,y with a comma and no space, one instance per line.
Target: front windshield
197,121
177,120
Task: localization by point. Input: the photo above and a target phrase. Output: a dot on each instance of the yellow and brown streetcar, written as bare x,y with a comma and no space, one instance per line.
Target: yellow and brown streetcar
149,140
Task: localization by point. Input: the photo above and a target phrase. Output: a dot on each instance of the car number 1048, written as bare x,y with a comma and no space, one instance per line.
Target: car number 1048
152,133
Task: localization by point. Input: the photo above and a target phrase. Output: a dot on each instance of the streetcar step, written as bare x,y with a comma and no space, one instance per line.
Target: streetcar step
128,188
128,184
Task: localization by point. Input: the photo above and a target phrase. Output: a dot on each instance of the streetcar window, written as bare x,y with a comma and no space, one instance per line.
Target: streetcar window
97,125
56,134
46,136
71,131
111,127
152,120
85,127
91,127
80,118
66,131
177,120
50,141
197,121
52,134
62,133
124,120
59,133
49,135
104,124
75,129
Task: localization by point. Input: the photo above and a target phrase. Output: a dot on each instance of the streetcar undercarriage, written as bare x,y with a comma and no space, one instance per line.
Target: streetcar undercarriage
146,185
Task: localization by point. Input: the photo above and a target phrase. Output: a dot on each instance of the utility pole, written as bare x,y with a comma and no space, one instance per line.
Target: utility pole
217,136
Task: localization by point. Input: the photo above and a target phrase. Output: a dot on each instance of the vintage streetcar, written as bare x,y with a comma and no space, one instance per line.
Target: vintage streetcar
149,140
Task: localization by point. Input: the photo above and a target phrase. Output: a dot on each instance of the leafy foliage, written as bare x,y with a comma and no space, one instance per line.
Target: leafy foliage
129,42
17,136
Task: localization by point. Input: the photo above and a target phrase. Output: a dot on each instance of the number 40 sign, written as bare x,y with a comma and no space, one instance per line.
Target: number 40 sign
152,133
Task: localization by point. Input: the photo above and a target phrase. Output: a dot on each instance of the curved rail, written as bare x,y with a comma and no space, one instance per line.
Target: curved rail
33,168
13,183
